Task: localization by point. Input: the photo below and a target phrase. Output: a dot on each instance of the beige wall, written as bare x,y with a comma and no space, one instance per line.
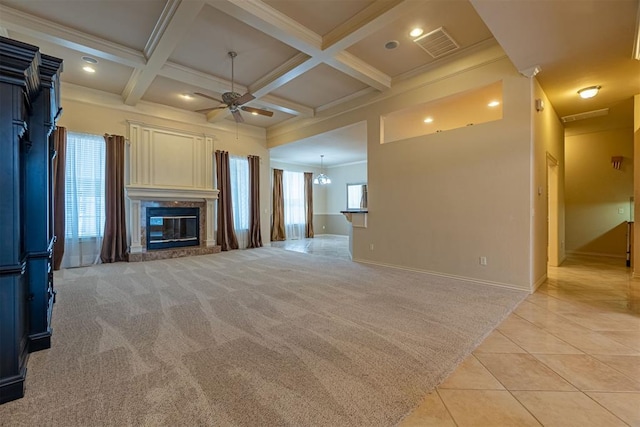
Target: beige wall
439,202
636,181
595,191
548,142
82,113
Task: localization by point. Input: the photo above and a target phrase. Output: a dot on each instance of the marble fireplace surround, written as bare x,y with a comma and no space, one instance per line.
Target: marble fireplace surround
142,197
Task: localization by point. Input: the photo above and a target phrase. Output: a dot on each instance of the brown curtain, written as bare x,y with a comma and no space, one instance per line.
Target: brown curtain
277,227
114,243
60,146
364,203
255,235
308,204
226,236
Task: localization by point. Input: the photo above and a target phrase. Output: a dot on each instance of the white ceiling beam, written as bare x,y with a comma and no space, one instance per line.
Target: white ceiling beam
23,23
287,106
358,69
364,23
296,66
263,17
279,26
176,19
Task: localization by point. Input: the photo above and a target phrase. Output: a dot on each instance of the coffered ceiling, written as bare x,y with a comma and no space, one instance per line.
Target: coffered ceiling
298,57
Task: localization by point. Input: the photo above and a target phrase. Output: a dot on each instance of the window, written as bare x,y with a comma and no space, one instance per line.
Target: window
294,204
239,171
84,181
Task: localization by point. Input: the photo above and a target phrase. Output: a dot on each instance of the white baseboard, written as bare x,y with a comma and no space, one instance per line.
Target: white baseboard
539,282
449,276
595,254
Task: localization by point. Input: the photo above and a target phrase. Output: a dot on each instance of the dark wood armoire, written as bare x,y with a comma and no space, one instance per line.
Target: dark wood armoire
29,108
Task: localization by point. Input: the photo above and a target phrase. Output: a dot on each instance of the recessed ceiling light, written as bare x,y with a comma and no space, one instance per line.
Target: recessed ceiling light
392,44
186,96
88,69
89,60
493,103
254,113
416,32
428,120
588,92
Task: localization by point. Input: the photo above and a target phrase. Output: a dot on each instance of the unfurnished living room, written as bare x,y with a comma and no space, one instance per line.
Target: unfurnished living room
319,213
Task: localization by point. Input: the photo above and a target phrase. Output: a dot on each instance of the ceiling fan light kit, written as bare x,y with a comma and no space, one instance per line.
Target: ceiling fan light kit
233,100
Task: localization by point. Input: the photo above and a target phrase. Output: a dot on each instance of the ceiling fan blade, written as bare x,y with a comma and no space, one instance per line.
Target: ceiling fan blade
244,99
204,95
237,116
206,110
258,111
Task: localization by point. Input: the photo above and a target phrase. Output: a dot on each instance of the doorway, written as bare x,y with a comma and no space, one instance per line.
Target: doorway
553,243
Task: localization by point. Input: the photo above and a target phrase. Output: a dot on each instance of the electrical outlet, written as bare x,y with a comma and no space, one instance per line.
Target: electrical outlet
483,260
371,247
620,210
323,227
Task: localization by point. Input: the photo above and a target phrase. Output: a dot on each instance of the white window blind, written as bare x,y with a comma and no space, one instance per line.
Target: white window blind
239,171
84,176
294,204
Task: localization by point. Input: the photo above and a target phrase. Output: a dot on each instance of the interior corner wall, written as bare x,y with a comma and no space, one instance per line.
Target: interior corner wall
548,140
439,202
86,117
598,195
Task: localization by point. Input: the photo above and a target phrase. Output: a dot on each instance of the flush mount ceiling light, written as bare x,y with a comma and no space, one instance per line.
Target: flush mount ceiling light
186,96
88,69
428,120
416,32
322,179
493,104
588,92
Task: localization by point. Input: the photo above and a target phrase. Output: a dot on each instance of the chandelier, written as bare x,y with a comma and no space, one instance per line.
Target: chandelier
322,179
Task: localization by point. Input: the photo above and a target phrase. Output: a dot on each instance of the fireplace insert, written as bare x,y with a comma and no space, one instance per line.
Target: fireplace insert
172,227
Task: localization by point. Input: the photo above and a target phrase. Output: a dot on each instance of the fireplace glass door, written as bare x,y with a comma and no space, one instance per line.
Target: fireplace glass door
172,227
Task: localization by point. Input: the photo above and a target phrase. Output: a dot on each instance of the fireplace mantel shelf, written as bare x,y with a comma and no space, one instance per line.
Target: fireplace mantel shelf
170,193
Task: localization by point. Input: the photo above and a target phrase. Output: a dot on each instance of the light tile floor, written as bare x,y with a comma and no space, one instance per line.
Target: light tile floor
322,244
569,355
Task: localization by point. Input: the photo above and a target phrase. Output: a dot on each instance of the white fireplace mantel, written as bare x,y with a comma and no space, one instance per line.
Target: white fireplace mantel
136,194
170,193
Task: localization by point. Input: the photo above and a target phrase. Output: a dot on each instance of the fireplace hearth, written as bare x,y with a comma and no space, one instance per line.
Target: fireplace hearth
172,227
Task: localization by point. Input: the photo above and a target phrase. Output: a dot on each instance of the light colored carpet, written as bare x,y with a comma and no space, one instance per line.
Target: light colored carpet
261,337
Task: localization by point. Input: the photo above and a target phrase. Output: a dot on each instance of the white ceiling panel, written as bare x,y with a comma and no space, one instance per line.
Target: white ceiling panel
457,17
126,22
109,76
168,92
320,16
214,34
319,86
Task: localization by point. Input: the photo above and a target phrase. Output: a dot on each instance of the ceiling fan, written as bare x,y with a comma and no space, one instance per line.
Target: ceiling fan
234,101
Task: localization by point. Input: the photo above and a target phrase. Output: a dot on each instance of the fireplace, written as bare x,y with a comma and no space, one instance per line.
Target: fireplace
171,227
